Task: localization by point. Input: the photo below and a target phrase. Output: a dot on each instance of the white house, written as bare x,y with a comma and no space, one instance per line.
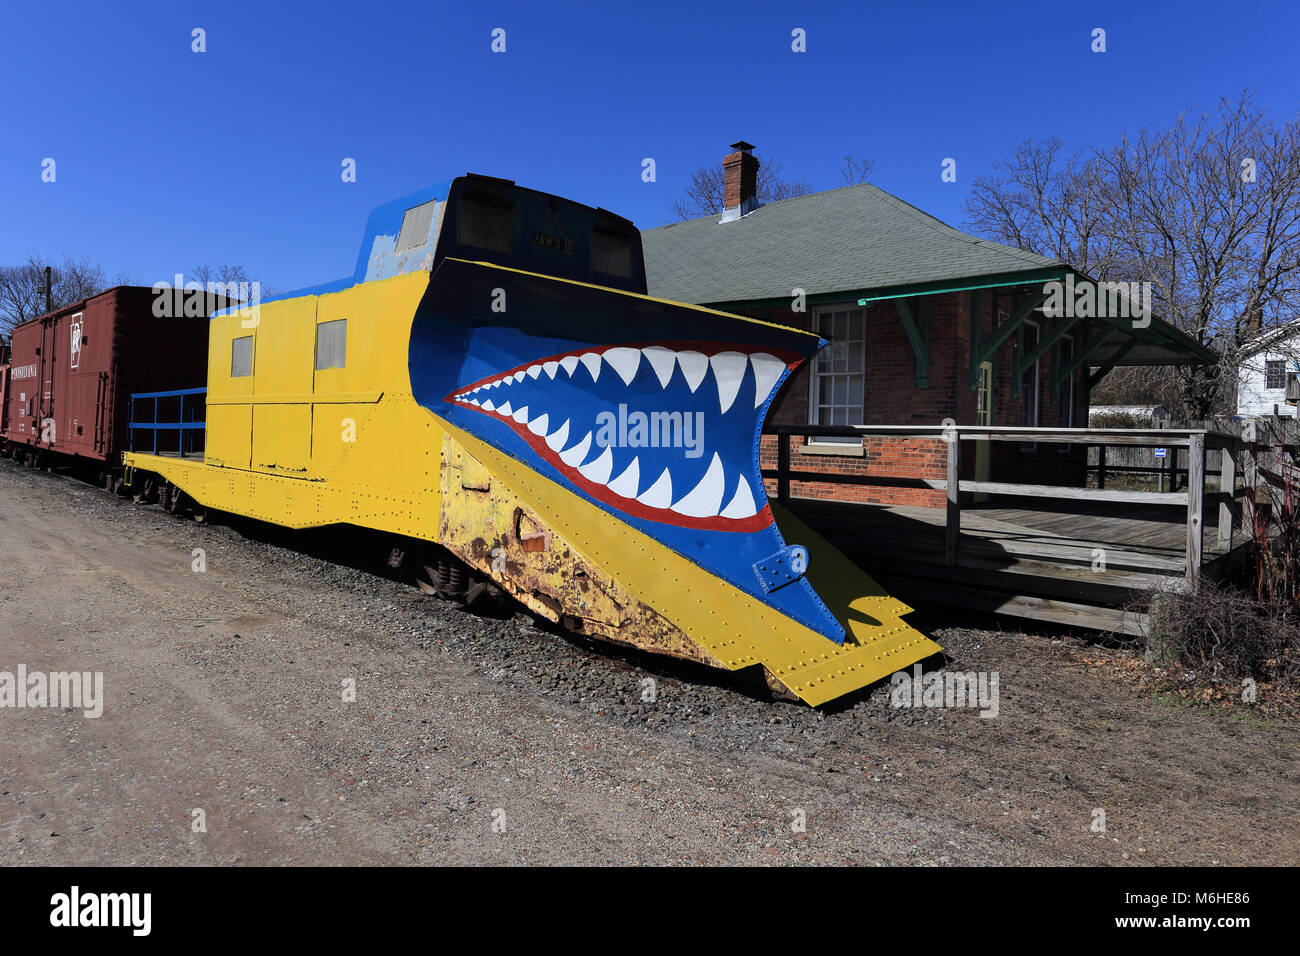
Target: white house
1266,365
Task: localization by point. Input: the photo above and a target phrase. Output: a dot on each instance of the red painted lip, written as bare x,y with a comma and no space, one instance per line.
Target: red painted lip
761,519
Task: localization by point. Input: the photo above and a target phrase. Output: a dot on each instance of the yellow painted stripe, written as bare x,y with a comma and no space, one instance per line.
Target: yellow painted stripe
638,295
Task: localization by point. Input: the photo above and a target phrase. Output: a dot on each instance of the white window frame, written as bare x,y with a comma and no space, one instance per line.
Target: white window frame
1068,342
1275,361
1037,380
984,396
815,376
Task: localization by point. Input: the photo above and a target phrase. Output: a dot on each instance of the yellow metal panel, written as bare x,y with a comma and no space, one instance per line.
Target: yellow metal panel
222,331
286,348
229,435
282,438
379,316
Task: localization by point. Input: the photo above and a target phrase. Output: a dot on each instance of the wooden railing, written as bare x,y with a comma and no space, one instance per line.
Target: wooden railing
1197,442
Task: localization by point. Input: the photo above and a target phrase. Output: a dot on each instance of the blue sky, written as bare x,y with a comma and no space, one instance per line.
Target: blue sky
167,158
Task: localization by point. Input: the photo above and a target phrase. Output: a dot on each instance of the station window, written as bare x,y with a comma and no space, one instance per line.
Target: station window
241,357
838,374
331,344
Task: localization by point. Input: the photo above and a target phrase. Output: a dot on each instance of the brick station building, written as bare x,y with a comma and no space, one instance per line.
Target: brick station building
925,323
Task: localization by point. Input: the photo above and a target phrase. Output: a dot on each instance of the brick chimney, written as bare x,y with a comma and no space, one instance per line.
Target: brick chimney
740,190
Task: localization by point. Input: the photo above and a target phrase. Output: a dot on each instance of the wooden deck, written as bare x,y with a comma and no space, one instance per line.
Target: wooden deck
1024,558
1079,556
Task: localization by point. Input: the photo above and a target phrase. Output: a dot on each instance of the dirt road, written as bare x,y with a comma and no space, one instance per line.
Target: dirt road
490,740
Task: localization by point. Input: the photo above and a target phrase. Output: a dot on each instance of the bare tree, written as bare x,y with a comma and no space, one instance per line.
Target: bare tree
1047,202
1207,210
22,288
229,276
856,170
704,194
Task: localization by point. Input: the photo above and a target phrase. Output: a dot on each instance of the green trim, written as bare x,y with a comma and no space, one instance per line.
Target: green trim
1083,355
865,296
1030,277
918,334
1102,372
1159,333
1055,335
1001,333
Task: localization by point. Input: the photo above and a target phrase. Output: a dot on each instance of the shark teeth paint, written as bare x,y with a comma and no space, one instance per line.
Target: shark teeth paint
673,390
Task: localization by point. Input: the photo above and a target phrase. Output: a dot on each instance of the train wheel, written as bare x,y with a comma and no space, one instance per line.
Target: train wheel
426,577
177,503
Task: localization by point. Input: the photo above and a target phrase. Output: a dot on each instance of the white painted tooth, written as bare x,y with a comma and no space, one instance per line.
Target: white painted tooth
573,457
497,383
505,410
550,368
487,405
534,371
767,372
694,366
728,372
520,414
592,361
705,499
473,401
556,440
625,361
742,502
660,494
569,363
598,470
625,485
539,424
663,361
519,376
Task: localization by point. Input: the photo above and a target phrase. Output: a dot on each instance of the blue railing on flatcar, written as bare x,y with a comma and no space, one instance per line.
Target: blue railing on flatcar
184,427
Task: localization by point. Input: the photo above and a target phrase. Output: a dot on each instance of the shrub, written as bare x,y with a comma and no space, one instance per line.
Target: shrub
1224,633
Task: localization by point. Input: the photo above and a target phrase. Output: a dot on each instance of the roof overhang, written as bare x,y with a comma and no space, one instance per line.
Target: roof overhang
1120,341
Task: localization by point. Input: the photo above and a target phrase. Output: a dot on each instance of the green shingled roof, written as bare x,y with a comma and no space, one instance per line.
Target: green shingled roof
843,240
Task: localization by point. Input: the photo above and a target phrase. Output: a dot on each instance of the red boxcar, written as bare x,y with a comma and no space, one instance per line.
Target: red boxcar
4,392
73,370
